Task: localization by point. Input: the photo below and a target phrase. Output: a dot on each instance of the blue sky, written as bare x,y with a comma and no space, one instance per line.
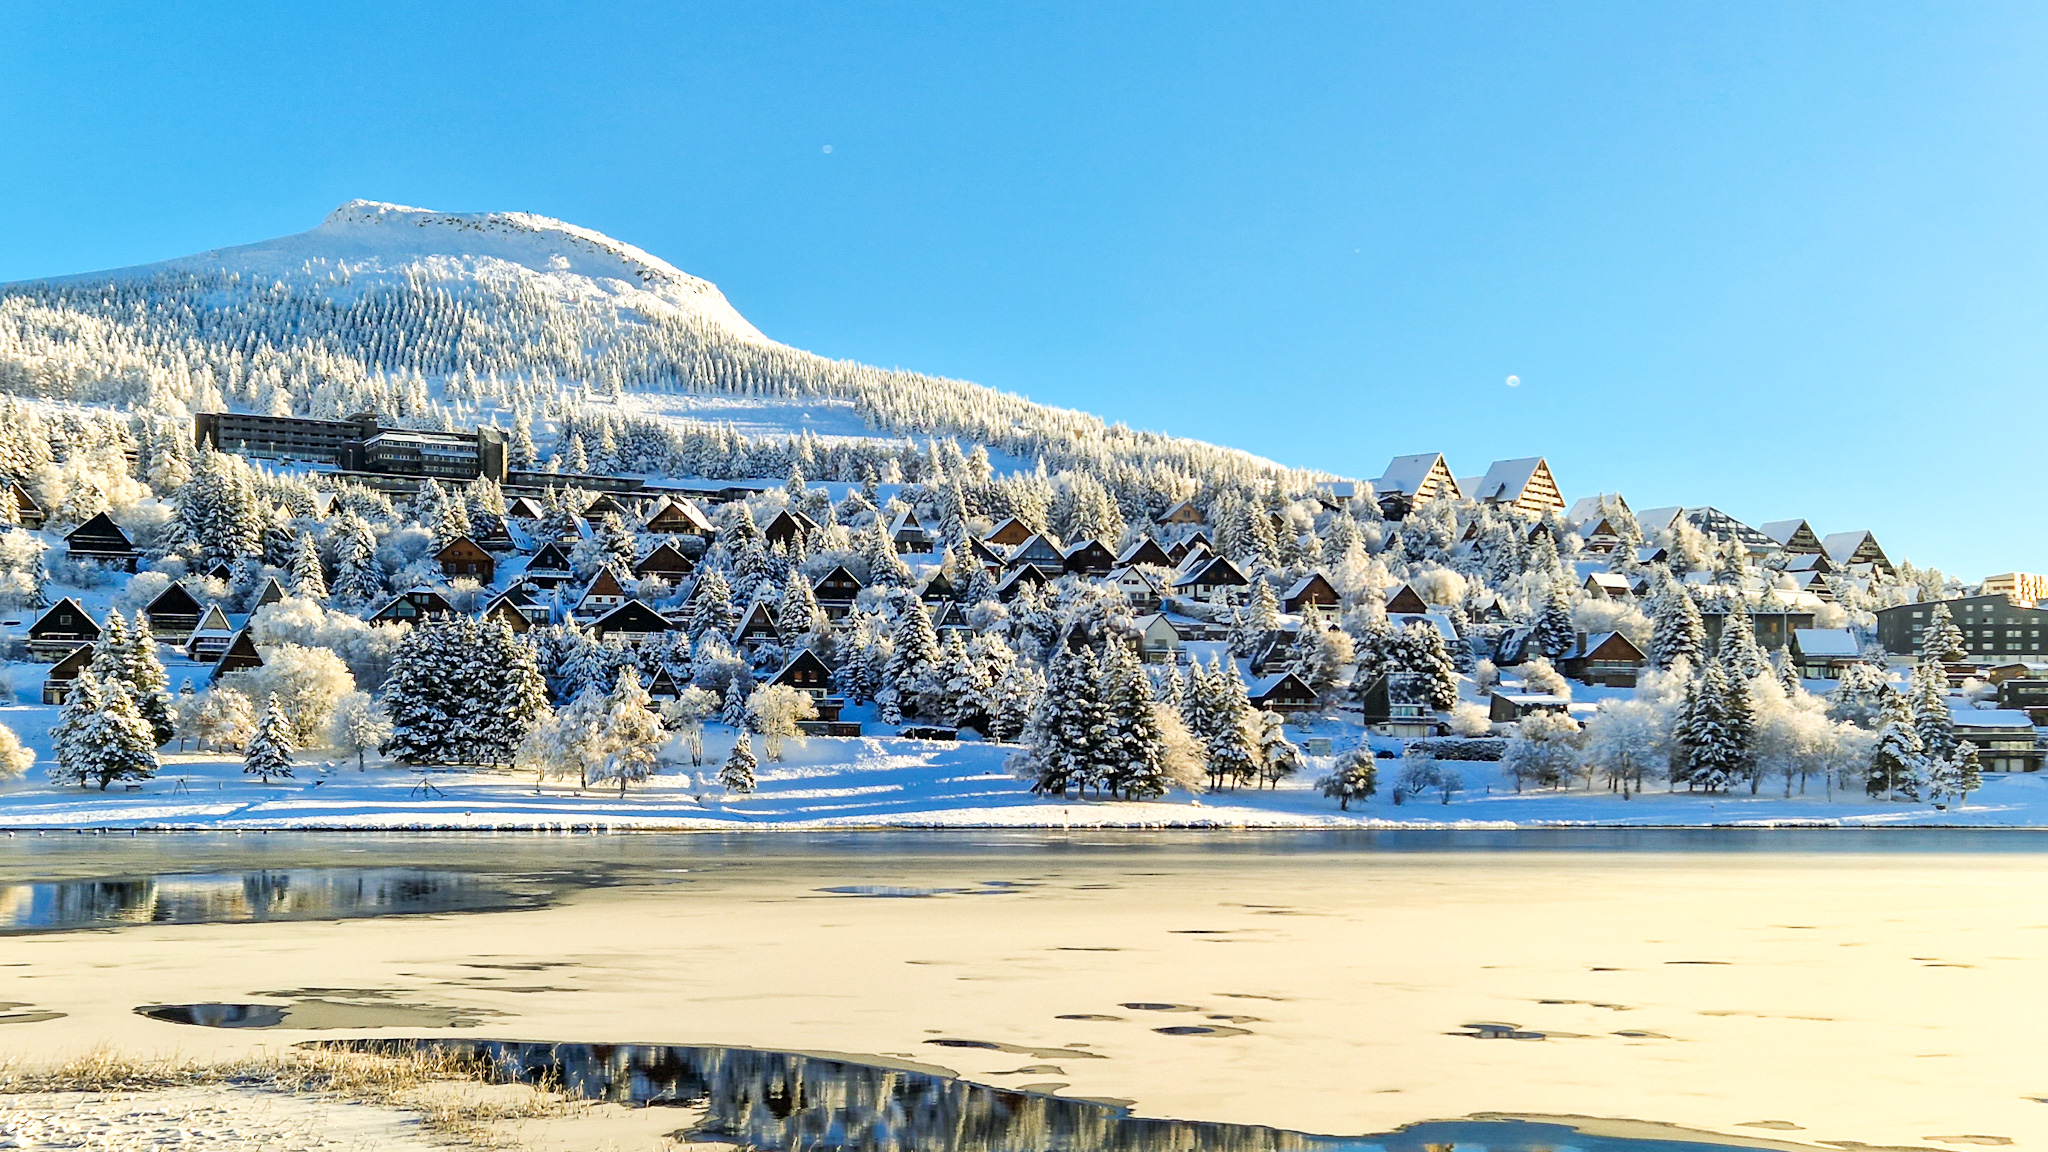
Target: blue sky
1785,259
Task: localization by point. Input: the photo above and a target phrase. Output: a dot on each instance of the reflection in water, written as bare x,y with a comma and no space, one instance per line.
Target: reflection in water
787,1101
267,894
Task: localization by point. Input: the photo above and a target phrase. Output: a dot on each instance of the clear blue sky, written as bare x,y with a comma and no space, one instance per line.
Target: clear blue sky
1785,259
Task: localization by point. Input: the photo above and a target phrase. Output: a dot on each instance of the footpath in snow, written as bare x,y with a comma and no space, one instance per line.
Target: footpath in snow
896,783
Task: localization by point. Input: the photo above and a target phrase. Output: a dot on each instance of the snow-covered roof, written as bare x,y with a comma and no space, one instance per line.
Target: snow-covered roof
1967,717
1657,519
1436,620
1783,530
1506,479
1405,474
1826,642
1840,546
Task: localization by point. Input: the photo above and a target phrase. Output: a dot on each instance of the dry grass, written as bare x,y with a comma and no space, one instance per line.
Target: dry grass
456,1097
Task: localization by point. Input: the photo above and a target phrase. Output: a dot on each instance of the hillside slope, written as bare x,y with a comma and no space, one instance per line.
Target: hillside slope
436,318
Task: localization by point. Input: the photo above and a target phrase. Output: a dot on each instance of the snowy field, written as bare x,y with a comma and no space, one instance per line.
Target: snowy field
885,782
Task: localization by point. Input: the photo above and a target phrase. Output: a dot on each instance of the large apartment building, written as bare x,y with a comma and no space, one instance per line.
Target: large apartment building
1996,629
357,445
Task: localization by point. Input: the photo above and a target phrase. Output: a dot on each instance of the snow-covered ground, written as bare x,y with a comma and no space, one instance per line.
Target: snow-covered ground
886,782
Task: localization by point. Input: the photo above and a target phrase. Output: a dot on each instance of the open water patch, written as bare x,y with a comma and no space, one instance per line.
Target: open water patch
257,895
338,1008
828,1102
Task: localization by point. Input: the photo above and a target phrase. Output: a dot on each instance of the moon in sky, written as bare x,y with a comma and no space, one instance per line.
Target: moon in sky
1514,381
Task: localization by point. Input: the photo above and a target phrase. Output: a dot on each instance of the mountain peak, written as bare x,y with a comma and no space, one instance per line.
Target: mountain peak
538,242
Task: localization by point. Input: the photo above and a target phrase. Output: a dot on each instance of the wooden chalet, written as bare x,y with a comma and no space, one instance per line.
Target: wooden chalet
1524,485
1141,588
210,637
173,614
64,673
663,686
463,558
1311,593
1089,558
633,621
241,655
1413,480
549,567
1008,534
1013,584
1159,639
604,505
1284,693
62,627
1146,551
666,563
1608,586
991,561
1183,512
757,626
1605,658
220,570
1215,580
527,600
412,607
1816,563
678,516
506,613
27,512
1507,707
102,541
787,526
1403,601
524,508
940,588
909,536
1040,552
1825,653
604,594
948,617
1397,704
836,590
806,673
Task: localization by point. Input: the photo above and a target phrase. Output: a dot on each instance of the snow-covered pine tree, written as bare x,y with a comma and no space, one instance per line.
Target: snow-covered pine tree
1676,631
306,578
71,751
1134,753
1420,648
1553,635
1932,722
358,578
1715,756
1941,642
738,773
913,658
734,713
1898,765
1231,741
270,749
799,614
1278,756
1738,651
711,606
147,682
122,745
886,568
633,735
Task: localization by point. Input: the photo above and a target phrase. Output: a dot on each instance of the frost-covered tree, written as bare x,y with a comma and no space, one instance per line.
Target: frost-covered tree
308,683
1955,776
270,748
1066,732
1932,721
462,691
358,578
799,614
1898,764
306,578
15,758
1357,777
100,738
631,736
1279,758
1419,648
1676,631
737,775
1553,634
358,725
1941,642
777,713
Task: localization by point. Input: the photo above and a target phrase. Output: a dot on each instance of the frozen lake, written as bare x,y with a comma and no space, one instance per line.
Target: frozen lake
1574,988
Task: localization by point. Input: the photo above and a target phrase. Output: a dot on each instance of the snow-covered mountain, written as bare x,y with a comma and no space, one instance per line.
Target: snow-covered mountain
454,319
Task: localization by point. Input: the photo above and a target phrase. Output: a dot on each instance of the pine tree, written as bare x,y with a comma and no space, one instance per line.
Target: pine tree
358,578
462,691
1941,642
123,746
1932,722
1898,764
1230,739
270,749
914,658
738,773
307,579
71,751
734,713
1677,632
711,607
1739,653
633,735
1420,648
1133,761
799,614
147,682
1554,635
886,568
1713,738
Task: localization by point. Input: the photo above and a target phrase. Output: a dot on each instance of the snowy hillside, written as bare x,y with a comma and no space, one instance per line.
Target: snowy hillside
450,320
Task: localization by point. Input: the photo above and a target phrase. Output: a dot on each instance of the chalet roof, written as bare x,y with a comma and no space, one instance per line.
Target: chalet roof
100,534
905,520
840,575
241,653
678,508
1145,551
525,508
1018,575
460,547
91,625
1146,623
758,616
504,609
1588,644
1590,508
1131,574
1073,550
1659,519
1506,479
1402,598
1405,474
22,500
1266,686
664,558
550,558
1436,620
213,622
1609,581
604,584
1181,510
1989,717
1841,546
789,522
1216,571
1814,562
804,661
632,616
1783,530
271,593
1301,586
75,661
602,504
1826,642
173,600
